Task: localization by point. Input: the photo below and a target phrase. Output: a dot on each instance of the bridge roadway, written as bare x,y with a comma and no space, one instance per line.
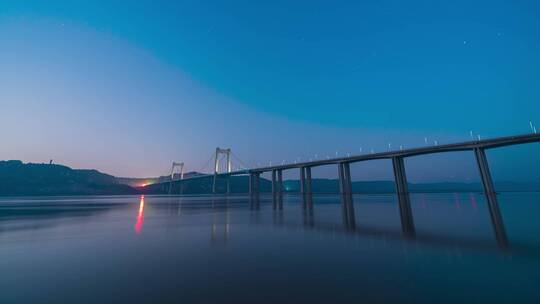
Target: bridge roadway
455,147
397,157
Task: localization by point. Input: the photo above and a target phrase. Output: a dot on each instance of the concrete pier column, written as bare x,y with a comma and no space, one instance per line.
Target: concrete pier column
402,191
250,186
258,187
491,196
214,184
280,189
254,189
229,184
275,189
345,189
302,180
308,196
303,186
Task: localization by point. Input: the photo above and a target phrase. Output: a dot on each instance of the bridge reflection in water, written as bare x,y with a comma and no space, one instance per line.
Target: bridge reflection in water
469,232
478,147
398,163
309,250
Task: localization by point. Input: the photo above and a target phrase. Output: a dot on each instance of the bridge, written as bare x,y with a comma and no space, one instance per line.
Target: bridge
478,147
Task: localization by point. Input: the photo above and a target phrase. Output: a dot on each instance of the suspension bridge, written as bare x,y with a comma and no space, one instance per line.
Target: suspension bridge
478,147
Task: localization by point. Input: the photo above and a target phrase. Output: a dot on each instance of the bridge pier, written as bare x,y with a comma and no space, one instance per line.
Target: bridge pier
214,183
345,189
275,190
254,189
280,189
491,196
402,191
308,195
305,187
252,184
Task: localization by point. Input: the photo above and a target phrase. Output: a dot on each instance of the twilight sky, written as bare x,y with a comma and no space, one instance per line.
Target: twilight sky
127,89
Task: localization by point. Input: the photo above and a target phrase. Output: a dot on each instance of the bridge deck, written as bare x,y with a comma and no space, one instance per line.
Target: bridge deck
463,146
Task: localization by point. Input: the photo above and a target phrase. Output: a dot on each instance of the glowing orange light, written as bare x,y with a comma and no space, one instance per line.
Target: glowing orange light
140,216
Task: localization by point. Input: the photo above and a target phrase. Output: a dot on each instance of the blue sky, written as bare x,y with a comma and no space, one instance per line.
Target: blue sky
128,88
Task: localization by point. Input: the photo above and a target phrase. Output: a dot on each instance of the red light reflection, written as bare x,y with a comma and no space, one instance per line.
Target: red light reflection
140,216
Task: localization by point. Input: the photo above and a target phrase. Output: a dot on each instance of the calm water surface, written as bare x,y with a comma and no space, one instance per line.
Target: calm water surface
213,250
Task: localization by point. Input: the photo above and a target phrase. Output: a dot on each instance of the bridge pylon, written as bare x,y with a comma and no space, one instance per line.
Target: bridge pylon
174,165
227,153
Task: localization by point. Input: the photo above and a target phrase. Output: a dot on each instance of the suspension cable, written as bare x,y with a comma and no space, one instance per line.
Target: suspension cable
206,164
239,160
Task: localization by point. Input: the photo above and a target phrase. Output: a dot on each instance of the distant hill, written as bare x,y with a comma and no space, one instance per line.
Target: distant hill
17,178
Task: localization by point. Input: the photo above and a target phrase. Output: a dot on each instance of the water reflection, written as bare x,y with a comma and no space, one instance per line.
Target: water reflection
473,201
457,201
140,216
433,214
35,213
220,231
349,221
220,222
309,217
210,250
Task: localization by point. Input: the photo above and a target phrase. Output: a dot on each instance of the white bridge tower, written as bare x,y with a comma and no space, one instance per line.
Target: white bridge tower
227,153
174,165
